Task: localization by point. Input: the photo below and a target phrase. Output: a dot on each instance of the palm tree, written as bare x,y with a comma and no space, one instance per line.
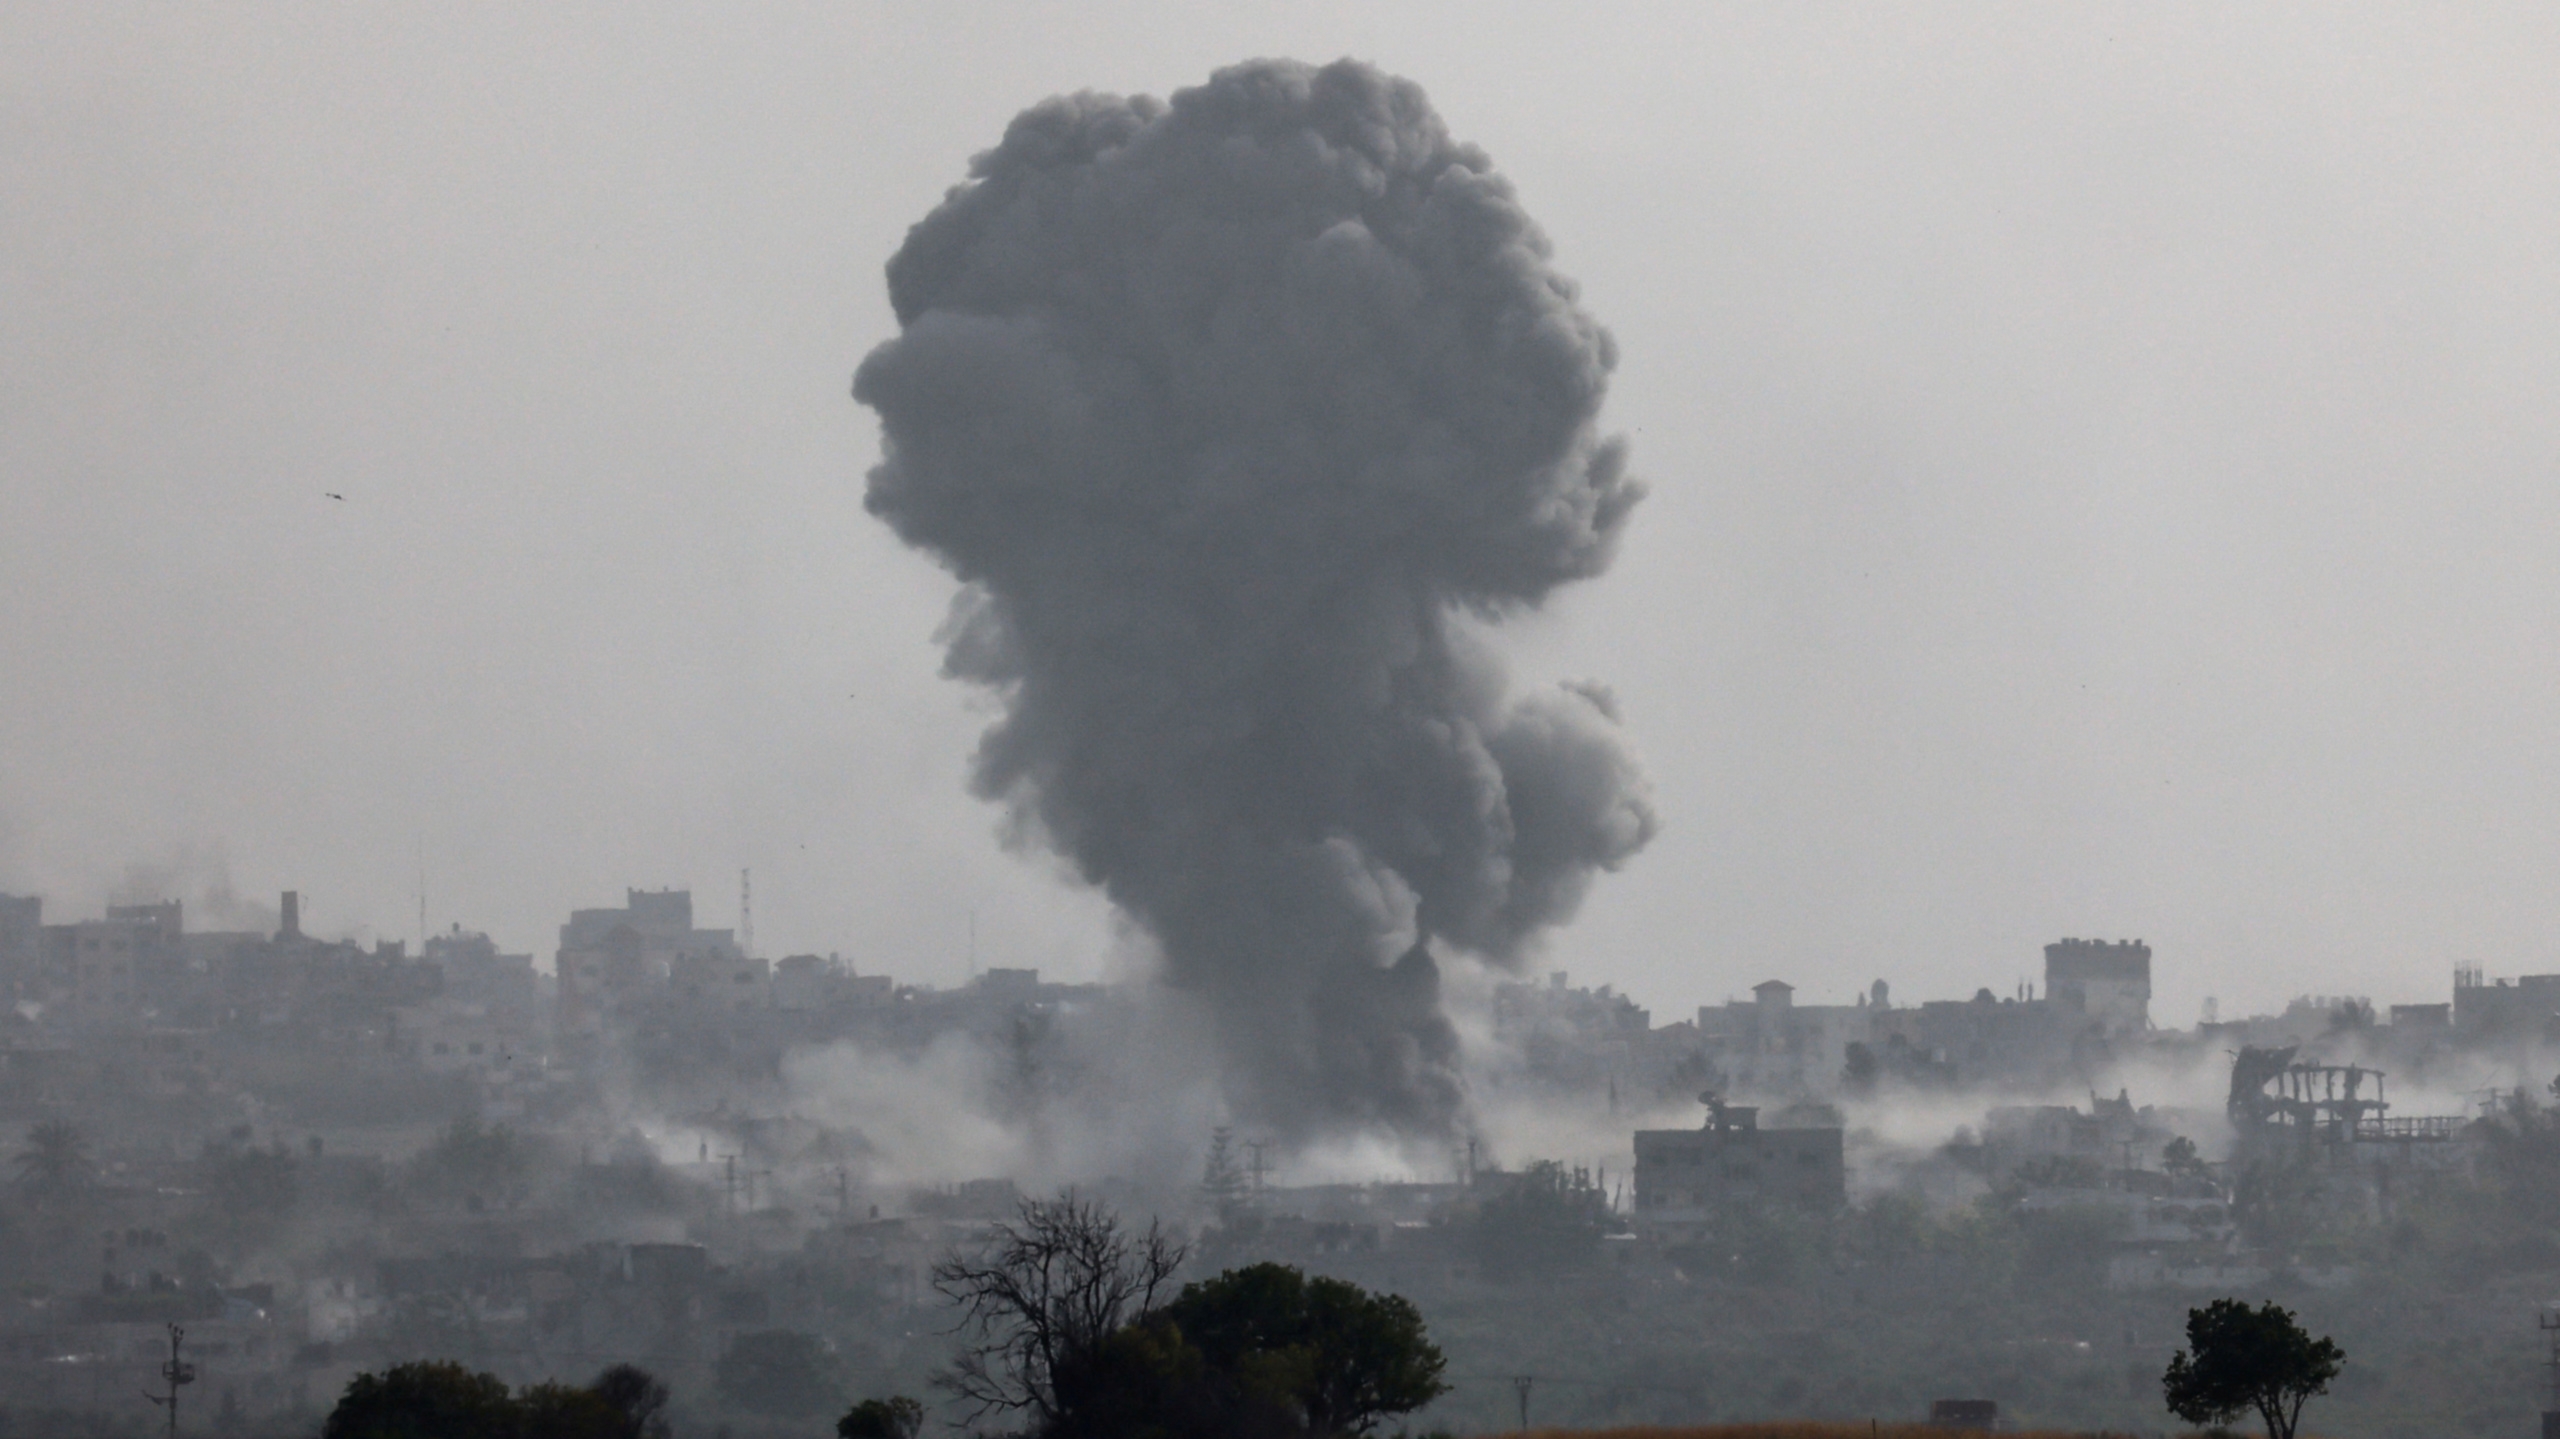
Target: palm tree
56,1159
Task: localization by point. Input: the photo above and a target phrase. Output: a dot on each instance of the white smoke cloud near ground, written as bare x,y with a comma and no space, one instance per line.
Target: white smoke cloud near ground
1227,410
923,1118
1119,1095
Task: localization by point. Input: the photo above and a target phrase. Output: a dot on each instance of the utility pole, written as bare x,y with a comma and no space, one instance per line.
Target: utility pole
746,916
177,1371
1520,1386
2549,1321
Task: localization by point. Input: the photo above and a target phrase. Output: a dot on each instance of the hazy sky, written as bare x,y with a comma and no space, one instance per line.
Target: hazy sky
2105,469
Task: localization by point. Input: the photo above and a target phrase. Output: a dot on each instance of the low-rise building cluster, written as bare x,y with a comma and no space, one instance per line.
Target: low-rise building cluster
315,1153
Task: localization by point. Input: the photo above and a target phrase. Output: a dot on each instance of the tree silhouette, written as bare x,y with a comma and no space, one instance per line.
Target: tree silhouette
2179,1157
559,1411
1041,1300
1343,1358
898,1417
2238,1359
56,1160
1222,1180
423,1401
637,1397
445,1400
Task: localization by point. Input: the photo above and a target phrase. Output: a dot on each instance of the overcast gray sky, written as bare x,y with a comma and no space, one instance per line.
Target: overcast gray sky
2103,467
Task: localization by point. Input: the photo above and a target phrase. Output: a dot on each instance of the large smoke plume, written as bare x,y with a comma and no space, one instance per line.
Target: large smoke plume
1225,410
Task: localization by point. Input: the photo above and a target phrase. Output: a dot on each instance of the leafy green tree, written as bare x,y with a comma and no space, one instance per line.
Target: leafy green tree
897,1417
1340,1357
777,1371
445,1400
432,1400
1222,1179
638,1400
1145,1381
564,1411
2238,1359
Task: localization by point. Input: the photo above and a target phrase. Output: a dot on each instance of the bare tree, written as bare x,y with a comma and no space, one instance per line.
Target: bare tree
1041,1297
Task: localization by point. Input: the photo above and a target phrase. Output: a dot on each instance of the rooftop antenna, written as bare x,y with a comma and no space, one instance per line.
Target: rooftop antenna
422,896
746,915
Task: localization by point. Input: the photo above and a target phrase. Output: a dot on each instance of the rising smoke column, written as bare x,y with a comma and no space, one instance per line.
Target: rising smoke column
1222,410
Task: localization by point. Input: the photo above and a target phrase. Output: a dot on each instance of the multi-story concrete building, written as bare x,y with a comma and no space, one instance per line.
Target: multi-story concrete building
611,957
1573,1038
474,972
806,982
2109,984
1773,1045
21,945
2527,1004
114,970
1683,1175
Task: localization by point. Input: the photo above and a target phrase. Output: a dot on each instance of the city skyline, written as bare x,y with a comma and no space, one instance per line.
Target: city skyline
2027,553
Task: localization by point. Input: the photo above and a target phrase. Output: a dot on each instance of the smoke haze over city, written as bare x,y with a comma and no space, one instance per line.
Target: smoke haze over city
1669,681
2097,466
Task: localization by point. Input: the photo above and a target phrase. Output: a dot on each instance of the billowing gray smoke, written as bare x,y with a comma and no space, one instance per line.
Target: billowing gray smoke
1224,410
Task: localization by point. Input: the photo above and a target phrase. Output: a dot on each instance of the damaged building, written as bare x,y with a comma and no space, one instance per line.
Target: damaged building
1684,1175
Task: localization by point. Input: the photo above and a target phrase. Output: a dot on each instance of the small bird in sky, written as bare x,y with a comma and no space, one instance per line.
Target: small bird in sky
333,494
